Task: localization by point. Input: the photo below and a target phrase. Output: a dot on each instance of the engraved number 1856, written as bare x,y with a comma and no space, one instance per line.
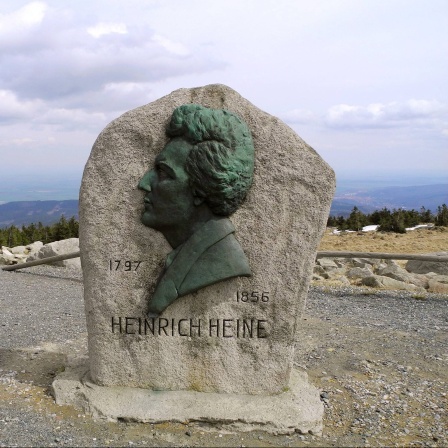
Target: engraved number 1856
254,296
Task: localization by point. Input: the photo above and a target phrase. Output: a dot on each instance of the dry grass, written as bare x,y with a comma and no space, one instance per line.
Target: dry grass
415,242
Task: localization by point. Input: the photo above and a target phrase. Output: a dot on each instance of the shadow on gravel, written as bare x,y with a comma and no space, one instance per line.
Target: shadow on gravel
60,276
36,366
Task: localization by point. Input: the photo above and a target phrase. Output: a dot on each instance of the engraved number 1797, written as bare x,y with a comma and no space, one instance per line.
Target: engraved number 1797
126,265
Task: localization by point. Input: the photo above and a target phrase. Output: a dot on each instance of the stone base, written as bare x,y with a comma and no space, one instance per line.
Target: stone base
298,409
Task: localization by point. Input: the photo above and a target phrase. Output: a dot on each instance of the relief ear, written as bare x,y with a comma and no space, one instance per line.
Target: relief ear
199,196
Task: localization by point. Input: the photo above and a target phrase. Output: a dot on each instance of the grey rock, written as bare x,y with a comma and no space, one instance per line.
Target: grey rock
359,272
379,281
423,267
395,272
7,252
59,248
34,247
279,227
340,262
327,264
320,271
361,262
318,277
15,255
393,269
361,265
437,277
338,278
437,286
18,250
297,409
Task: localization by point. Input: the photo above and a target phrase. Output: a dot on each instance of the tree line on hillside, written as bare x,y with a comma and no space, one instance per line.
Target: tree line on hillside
14,236
396,220
389,221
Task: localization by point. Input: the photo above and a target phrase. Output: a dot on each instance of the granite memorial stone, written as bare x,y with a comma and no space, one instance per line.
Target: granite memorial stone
200,217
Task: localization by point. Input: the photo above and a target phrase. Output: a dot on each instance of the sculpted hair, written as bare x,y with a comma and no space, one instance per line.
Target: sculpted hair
221,162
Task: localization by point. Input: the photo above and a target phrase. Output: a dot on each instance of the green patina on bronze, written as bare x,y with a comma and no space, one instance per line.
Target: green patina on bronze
199,179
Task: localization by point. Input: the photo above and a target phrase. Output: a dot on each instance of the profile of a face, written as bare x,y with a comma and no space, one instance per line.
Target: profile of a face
199,179
169,201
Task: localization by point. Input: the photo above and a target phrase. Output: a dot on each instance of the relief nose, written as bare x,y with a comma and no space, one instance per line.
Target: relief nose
145,182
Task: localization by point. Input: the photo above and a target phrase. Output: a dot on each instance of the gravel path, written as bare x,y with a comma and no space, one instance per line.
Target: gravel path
379,358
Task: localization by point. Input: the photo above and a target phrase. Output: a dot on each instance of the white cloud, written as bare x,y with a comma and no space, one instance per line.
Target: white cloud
426,108
70,119
392,114
299,116
103,28
58,60
25,17
22,141
13,109
67,68
170,46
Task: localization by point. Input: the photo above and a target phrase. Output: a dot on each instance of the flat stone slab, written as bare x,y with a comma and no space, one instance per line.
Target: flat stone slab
297,409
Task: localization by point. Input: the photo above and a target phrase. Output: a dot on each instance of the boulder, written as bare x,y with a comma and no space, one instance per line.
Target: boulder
279,227
340,262
338,279
7,257
437,287
327,264
34,247
6,250
61,247
362,262
423,267
236,337
320,271
317,278
359,272
438,278
392,270
382,282
18,250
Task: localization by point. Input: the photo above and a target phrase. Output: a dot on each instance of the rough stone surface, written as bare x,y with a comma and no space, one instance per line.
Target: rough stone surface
438,286
13,255
439,278
297,409
7,256
394,271
361,262
34,247
327,263
380,281
279,228
338,278
59,248
18,250
376,275
423,267
359,272
320,271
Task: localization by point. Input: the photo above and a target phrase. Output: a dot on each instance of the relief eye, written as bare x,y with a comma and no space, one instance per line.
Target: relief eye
162,173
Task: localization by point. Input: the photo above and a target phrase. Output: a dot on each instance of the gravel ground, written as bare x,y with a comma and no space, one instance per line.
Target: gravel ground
379,358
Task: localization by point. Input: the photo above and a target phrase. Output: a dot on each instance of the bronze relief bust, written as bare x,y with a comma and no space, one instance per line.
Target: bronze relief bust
199,179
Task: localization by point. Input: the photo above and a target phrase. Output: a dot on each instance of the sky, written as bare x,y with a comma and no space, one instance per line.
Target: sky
363,82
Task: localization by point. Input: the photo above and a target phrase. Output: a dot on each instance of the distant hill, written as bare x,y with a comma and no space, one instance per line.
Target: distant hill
27,212
366,199
370,199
